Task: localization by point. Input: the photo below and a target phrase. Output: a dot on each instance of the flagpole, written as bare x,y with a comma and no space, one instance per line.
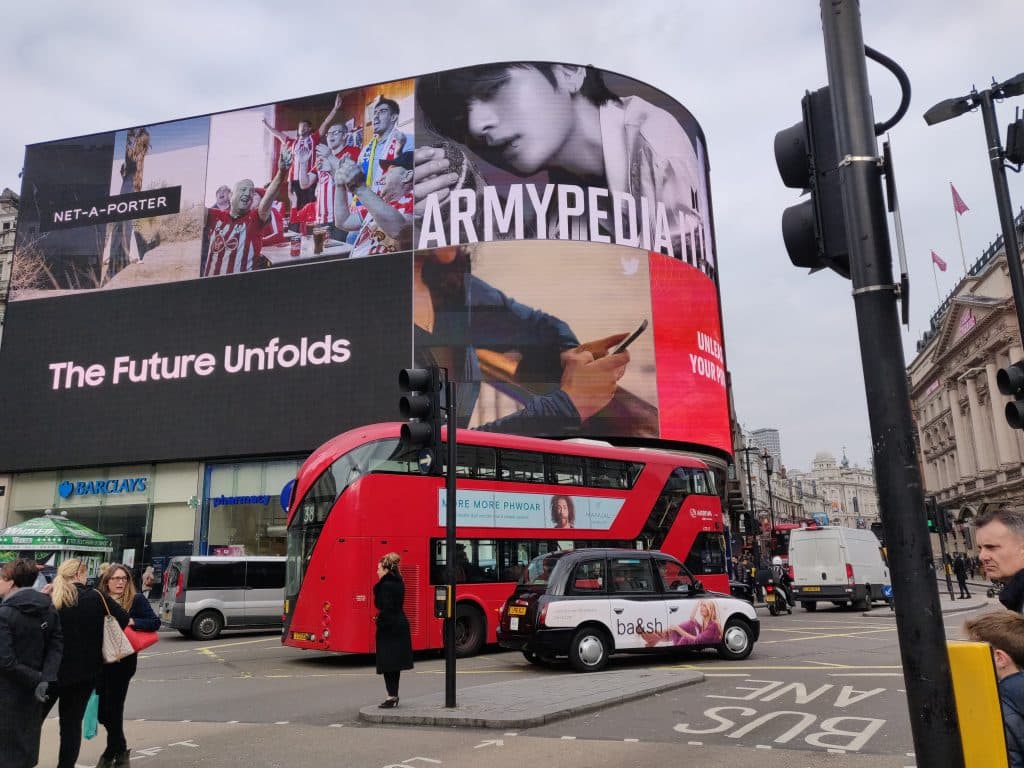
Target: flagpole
956,220
935,274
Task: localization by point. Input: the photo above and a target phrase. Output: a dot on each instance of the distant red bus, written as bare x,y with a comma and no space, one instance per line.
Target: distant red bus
778,538
360,496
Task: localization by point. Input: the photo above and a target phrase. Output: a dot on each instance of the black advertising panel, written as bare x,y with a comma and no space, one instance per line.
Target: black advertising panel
544,231
254,365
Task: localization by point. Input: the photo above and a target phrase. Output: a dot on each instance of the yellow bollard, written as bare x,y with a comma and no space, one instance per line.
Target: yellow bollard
977,705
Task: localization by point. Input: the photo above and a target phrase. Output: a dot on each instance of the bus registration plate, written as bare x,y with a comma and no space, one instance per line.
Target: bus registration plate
517,610
307,636
812,589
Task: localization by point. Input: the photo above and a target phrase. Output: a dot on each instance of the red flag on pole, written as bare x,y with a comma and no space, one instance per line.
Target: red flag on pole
958,202
938,262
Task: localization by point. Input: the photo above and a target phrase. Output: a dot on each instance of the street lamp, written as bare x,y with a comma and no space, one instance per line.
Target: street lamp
769,467
751,517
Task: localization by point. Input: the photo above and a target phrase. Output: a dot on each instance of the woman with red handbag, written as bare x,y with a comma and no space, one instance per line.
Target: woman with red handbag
118,587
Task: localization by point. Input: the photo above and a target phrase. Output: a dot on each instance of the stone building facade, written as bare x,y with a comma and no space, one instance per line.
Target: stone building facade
971,458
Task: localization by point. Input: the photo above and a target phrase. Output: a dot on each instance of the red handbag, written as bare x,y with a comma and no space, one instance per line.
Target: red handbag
140,640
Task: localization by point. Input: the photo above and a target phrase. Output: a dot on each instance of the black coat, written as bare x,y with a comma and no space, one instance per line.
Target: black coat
82,625
30,652
394,643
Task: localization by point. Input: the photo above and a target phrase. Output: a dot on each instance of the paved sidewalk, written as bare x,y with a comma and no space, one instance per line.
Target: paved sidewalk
533,701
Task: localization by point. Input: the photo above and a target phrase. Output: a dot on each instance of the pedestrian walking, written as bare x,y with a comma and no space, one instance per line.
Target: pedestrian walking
117,586
960,569
30,652
394,641
82,611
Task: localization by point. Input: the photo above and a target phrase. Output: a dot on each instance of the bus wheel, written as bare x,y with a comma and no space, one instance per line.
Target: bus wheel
737,641
207,625
589,649
470,631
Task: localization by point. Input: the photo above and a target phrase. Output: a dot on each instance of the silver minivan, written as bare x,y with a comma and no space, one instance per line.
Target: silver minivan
205,595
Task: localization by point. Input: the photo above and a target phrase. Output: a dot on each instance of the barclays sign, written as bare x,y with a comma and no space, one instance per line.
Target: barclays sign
67,489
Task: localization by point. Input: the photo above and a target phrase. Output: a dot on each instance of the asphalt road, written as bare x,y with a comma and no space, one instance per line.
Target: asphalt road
820,689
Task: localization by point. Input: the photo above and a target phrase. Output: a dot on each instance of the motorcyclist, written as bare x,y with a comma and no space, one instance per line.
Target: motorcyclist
780,575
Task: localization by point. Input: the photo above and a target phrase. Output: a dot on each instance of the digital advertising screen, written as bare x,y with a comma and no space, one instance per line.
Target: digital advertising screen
250,282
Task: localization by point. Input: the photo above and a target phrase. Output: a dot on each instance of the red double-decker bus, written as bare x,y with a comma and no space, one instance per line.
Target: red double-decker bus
361,495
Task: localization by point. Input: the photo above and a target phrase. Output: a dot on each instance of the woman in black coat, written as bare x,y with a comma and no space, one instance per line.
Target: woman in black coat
117,586
82,611
30,651
394,642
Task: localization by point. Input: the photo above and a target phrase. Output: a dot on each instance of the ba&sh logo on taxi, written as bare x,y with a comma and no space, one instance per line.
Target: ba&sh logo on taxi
638,627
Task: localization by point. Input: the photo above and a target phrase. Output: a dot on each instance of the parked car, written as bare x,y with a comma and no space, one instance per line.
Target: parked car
843,566
587,604
204,595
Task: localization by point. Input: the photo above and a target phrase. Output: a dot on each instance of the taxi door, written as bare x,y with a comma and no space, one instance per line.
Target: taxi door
638,617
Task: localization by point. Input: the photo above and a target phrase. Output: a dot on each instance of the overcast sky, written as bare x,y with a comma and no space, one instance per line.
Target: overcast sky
741,68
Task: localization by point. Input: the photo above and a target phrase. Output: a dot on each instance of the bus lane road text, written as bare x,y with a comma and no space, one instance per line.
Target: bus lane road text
776,715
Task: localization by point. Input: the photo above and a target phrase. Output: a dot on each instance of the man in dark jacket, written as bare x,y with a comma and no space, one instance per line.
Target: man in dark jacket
30,653
1000,537
960,570
1004,631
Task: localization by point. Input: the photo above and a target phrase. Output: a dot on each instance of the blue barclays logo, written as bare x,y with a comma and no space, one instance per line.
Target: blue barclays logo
102,487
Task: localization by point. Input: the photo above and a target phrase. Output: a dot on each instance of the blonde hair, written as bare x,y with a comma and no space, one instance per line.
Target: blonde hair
104,567
128,596
390,562
712,611
65,593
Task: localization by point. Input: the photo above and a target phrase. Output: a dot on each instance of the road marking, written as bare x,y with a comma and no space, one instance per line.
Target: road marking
336,725
489,743
193,649
851,635
510,733
568,738
762,746
866,674
695,743
281,722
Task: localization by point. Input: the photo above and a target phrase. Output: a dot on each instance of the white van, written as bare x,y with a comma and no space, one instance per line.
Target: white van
843,566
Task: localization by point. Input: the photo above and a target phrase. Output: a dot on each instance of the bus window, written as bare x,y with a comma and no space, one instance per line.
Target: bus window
522,466
565,470
707,554
477,462
604,473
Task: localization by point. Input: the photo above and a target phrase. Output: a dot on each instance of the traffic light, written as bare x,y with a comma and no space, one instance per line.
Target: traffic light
421,408
806,154
931,513
1010,381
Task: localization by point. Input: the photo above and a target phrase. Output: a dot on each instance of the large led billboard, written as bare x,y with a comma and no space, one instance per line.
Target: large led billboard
249,282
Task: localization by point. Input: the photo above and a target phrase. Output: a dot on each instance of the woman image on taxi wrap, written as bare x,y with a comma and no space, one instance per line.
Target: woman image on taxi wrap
702,628
118,587
82,612
30,651
394,641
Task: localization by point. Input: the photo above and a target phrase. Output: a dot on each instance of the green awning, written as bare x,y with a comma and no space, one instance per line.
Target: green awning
52,532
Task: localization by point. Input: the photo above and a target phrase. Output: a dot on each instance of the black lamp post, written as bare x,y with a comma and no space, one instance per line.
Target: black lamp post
750,505
769,467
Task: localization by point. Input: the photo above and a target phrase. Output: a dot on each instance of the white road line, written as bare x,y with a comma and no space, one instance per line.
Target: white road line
568,738
631,741
695,743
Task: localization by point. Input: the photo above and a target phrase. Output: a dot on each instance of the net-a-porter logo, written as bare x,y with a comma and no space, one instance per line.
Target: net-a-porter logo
67,489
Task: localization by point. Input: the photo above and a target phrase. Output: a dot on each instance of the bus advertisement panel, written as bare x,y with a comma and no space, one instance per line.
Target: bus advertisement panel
510,253
516,498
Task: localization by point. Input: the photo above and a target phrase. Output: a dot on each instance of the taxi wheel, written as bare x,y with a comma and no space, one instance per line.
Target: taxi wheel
589,650
737,640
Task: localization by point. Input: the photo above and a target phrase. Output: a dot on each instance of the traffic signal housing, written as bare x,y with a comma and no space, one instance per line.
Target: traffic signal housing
807,155
931,514
421,409
1010,381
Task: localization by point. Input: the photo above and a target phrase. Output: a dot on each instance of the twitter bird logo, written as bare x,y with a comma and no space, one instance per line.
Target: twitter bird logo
630,264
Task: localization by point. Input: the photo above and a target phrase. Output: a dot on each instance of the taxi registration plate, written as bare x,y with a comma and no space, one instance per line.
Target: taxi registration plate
309,637
517,610
812,589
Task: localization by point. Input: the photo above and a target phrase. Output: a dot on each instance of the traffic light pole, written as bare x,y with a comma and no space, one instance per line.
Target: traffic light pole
926,668
1003,205
940,527
449,624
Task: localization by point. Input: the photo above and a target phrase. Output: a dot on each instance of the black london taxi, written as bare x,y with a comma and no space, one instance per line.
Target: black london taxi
586,604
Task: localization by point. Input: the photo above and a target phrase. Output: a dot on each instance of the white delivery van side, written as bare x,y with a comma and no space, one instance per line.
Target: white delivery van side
843,566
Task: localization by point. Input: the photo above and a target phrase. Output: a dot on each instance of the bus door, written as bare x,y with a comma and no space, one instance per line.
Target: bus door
637,608
415,573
